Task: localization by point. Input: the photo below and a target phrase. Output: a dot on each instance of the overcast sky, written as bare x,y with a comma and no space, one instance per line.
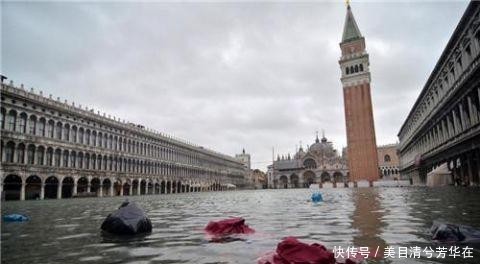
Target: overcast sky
226,75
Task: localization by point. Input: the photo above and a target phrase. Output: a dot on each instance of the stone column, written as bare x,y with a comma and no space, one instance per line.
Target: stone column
164,187
468,158
130,190
89,185
100,192
146,188
59,190
455,123
138,187
472,111
121,190
22,191
75,185
112,183
42,191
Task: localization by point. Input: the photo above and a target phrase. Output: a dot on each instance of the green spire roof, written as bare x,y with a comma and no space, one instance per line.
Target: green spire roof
350,31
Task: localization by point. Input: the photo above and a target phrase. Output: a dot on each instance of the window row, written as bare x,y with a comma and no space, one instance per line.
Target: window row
32,155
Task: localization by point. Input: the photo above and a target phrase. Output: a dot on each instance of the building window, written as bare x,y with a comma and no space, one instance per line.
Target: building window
49,157
361,67
41,128
40,155
310,164
346,70
32,123
356,68
31,155
9,152
387,158
22,123
50,128
74,134
58,131
66,133
21,153
2,117
11,120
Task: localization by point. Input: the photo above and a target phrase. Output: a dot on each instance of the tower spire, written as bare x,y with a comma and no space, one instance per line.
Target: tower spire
350,29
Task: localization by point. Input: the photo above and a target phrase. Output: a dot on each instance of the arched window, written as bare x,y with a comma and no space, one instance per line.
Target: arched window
66,132
356,68
94,138
40,155
50,126
87,137
9,151
41,127
80,135
31,154
11,120
351,69
3,112
58,153
80,160
74,134
58,132
347,70
65,159
49,157
100,137
309,164
361,67
21,153
22,123
73,160
32,125
387,158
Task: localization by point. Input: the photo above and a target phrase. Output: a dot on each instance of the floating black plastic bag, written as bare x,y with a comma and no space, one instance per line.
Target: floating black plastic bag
129,219
451,233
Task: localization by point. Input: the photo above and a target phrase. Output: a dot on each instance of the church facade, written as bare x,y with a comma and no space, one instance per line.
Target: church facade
318,163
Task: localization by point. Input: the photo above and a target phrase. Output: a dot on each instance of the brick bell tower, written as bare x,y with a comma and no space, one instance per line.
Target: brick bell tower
354,64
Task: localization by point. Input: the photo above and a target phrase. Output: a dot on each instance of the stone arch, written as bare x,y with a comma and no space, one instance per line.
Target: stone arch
143,184
169,187
82,184
126,187
325,176
310,163
106,183
67,187
117,187
163,186
308,178
294,181
12,186
150,187
33,187
135,184
283,182
387,158
95,185
338,176
51,187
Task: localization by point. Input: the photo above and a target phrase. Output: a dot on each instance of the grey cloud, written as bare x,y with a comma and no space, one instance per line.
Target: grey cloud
226,75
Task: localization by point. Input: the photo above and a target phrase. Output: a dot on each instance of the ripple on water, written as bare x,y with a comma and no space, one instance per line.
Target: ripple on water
69,230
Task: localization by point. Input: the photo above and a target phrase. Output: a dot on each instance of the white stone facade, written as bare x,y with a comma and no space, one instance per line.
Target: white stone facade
50,149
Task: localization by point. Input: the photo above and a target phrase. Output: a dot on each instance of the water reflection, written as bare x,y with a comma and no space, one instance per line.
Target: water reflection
68,231
367,220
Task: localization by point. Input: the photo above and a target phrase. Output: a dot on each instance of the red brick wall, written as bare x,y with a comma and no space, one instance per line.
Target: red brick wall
362,147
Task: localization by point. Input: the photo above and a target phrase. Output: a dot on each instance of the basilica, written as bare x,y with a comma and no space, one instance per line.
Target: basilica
320,162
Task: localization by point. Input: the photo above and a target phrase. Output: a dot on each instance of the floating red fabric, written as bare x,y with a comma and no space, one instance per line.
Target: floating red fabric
291,251
228,227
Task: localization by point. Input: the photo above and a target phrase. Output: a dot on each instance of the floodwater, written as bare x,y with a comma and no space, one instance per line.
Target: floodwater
68,231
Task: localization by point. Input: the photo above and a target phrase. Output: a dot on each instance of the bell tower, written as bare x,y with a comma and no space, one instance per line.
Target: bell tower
354,64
